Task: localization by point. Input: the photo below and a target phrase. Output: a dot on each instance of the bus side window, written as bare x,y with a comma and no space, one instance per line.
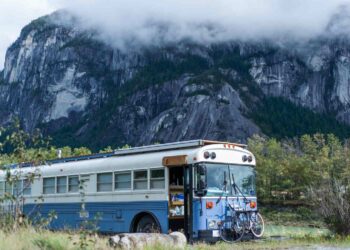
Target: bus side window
73,184
104,182
27,187
17,188
140,179
61,184
8,187
2,188
157,179
49,185
122,180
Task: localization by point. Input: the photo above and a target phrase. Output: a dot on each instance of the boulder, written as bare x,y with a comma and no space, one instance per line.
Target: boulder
141,240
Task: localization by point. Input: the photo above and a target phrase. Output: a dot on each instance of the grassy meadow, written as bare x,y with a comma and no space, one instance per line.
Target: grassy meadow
282,238
284,230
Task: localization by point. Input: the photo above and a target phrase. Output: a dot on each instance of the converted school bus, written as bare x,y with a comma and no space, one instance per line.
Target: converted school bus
141,189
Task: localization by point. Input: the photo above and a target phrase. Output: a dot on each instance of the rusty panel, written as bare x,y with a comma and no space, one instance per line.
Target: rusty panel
177,160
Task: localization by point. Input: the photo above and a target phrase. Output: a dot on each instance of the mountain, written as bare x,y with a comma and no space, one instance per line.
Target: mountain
82,91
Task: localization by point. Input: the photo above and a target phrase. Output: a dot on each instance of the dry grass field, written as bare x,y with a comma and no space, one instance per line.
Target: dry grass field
285,229
288,238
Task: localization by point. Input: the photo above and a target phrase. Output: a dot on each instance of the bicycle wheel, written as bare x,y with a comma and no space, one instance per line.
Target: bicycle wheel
258,225
232,230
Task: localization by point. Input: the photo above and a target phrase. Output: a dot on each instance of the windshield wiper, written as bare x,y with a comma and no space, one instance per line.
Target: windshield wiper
224,188
235,186
233,183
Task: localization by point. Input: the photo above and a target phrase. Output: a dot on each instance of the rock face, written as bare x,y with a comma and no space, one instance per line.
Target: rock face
72,85
314,75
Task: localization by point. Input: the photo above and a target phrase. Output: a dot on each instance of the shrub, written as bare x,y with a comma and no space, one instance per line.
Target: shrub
49,243
333,202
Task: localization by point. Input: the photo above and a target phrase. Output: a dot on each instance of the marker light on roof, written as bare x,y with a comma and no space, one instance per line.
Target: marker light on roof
250,158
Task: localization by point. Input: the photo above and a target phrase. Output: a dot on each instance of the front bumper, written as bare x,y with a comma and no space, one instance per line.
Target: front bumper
211,236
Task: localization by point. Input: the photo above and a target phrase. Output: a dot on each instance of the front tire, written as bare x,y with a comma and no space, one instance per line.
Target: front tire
147,224
258,225
232,230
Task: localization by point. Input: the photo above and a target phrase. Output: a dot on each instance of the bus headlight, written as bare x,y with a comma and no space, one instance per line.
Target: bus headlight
211,224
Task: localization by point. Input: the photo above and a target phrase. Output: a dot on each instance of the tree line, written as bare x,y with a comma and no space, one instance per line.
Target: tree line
311,170
289,169
19,146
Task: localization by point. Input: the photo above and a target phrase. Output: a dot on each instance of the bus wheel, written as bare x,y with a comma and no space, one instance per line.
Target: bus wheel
147,225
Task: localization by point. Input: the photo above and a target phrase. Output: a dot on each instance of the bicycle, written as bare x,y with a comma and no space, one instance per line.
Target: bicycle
240,222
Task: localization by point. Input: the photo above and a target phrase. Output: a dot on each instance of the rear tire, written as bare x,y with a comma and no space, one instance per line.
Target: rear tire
147,224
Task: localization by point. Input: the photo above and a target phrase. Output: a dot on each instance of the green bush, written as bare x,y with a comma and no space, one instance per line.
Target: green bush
45,243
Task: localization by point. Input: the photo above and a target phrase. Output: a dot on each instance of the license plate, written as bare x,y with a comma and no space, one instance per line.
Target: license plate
216,233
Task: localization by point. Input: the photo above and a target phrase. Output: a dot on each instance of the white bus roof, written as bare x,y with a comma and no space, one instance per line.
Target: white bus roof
171,146
135,150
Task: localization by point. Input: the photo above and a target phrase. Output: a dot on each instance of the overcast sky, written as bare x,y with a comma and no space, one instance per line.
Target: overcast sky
123,22
14,14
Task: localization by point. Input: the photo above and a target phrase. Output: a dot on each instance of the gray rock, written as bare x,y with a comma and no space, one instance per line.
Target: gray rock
175,240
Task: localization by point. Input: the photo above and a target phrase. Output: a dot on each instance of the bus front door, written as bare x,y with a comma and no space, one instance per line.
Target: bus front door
176,199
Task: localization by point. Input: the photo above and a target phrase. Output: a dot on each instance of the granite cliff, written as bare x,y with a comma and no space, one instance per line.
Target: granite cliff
82,91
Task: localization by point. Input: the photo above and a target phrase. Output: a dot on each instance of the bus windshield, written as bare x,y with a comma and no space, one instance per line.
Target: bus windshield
230,180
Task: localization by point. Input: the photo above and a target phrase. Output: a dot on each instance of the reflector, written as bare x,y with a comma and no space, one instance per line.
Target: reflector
252,204
209,205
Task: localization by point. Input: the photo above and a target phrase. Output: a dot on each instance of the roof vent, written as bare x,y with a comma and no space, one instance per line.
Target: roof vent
59,153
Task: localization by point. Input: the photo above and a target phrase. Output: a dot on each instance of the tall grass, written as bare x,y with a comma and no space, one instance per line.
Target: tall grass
30,238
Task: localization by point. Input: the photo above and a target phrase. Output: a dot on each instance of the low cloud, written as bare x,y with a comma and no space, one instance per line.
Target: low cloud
132,22
124,23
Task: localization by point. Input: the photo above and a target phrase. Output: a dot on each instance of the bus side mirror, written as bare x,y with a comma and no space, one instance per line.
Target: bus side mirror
202,170
201,189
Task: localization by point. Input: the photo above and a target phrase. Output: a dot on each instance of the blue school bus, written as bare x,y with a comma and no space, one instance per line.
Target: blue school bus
203,188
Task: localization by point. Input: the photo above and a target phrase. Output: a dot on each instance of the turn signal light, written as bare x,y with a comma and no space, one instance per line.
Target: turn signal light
252,204
209,205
